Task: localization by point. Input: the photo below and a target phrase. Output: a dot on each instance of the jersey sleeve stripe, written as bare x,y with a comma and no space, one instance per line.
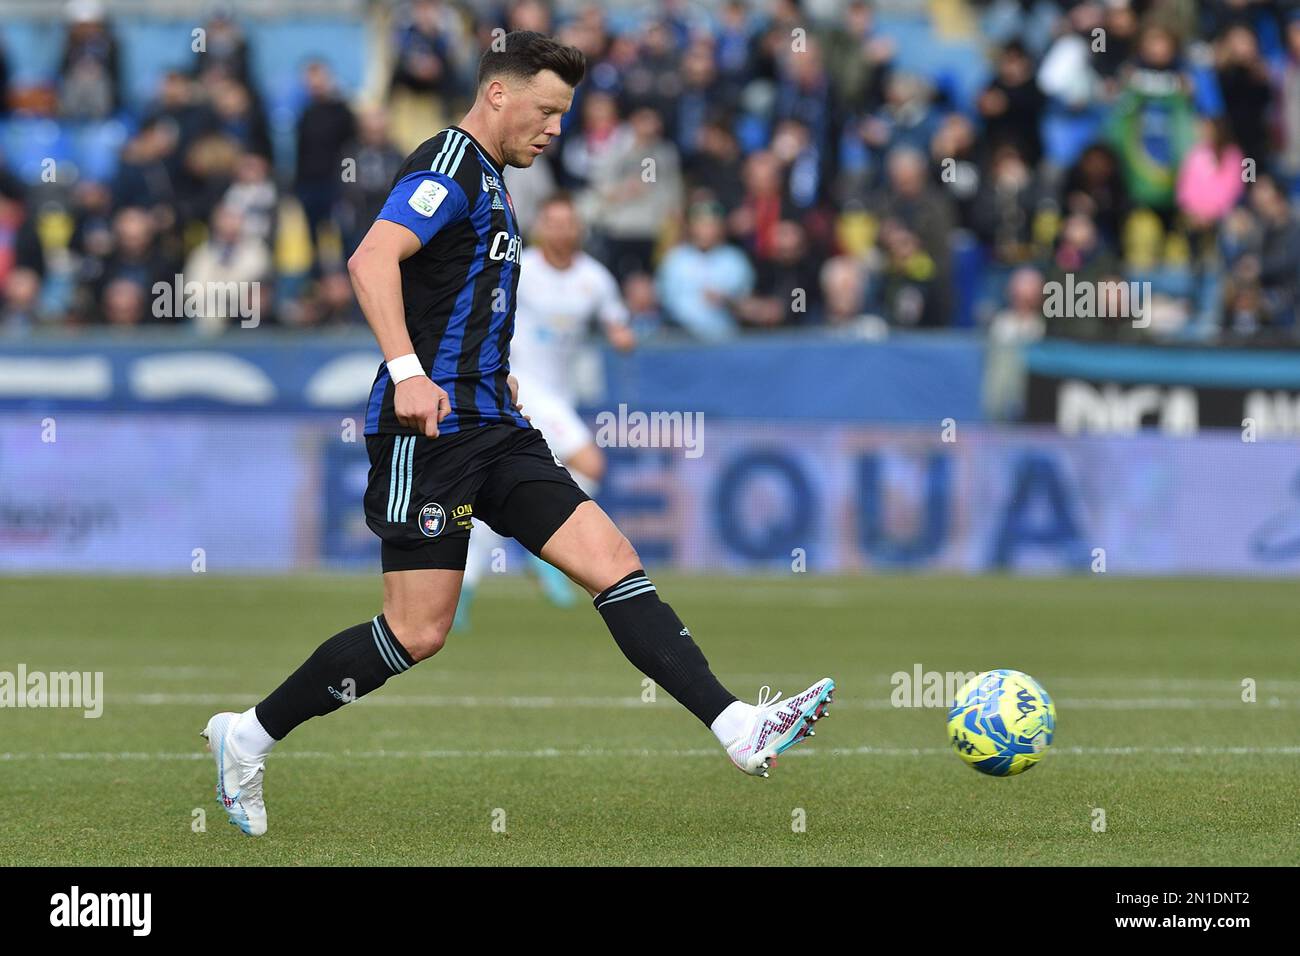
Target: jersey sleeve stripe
448,144
450,164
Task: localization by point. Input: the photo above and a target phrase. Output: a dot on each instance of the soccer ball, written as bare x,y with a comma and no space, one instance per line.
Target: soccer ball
1002,722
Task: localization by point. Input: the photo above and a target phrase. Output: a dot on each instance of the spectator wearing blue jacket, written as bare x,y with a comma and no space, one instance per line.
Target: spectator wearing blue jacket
701,280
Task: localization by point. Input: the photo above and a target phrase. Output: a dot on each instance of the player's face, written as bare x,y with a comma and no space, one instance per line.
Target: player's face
532,116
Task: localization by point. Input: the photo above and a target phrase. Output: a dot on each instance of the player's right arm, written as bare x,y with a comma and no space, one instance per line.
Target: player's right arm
419,205
418,401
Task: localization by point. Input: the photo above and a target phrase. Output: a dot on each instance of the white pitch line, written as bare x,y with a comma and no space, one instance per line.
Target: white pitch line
1170,683
1229,702
405,700
554,753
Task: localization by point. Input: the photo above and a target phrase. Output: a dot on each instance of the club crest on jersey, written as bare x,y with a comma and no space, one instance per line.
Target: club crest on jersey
490,182
432,520
506,246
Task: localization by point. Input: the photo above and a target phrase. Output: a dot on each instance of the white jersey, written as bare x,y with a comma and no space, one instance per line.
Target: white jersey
551,317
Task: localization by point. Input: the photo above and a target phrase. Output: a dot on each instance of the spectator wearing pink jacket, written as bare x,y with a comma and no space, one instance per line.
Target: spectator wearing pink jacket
1211,178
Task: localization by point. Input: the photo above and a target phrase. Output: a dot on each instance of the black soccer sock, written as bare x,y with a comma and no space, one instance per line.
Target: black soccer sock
349,665
655,640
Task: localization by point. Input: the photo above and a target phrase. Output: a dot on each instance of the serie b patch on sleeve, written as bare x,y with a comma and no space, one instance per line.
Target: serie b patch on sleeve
428,196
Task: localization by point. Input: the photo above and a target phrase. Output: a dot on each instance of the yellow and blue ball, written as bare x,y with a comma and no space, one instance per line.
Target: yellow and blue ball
1002,722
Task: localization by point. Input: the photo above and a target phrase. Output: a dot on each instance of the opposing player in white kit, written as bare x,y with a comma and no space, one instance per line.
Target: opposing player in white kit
561,291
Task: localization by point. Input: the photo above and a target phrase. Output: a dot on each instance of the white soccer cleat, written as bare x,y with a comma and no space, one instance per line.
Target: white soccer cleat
239,781
778,725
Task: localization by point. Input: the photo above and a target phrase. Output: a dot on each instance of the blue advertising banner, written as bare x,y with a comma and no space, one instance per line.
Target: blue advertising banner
276,375
912,379
153,493
123,492
993,499
909,379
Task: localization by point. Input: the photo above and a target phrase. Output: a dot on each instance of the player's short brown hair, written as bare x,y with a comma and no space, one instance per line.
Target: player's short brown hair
525,53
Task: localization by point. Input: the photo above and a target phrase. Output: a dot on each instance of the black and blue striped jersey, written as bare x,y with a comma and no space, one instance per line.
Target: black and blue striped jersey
459,289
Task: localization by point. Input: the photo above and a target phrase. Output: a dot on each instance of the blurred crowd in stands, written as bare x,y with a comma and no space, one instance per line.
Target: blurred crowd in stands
740,166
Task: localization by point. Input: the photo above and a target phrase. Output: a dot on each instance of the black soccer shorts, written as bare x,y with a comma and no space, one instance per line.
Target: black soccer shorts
422,493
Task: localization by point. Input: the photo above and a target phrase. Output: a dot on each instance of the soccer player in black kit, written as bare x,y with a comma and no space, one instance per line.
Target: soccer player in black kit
436,278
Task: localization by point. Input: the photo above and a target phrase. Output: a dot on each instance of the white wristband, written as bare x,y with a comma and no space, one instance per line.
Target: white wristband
404,367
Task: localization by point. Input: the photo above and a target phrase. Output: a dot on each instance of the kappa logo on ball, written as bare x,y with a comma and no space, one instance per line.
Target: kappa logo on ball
432,520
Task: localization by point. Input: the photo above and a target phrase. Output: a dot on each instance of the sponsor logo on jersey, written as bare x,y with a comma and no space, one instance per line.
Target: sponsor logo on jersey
506,246
463,515
428,196
432,520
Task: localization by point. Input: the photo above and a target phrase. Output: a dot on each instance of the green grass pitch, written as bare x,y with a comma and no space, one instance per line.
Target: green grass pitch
526,741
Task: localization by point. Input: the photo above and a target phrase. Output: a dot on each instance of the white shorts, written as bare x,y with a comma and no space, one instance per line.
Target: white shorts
555,418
